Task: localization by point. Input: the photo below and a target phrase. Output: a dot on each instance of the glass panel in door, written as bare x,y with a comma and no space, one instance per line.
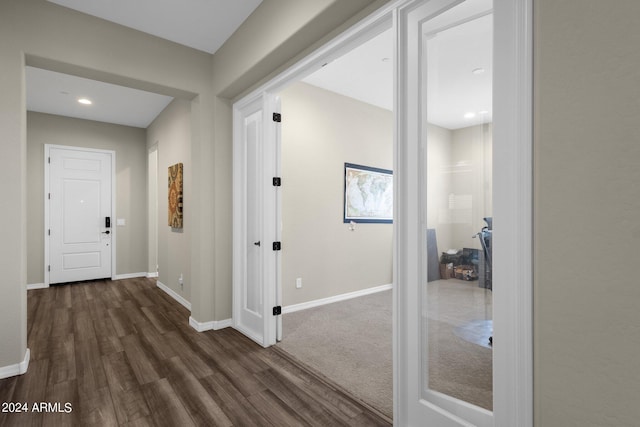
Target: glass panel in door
456,299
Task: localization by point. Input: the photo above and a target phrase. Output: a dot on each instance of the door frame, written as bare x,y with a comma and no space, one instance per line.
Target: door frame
513,196
152,210
47,189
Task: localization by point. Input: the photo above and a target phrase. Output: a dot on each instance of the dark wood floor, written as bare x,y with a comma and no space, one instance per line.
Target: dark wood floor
122,353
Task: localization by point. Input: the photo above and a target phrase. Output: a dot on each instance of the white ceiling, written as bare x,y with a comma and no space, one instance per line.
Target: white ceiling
460,46
365,73
200,24
453,89
57,93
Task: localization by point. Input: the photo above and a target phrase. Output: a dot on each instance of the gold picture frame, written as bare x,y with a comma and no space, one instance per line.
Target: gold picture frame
175,196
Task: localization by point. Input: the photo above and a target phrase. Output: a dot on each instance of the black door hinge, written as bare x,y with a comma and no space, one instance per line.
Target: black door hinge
277,181
277,117
277,310
277,246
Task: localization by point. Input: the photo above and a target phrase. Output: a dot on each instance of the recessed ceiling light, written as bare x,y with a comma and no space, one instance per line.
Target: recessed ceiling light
469,115
85,101
477,71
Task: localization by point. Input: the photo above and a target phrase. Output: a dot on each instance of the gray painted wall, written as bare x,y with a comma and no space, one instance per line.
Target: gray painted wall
586,213
129,143
171,131
321,131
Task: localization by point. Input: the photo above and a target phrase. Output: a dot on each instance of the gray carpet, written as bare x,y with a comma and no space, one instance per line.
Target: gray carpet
461,360
350,343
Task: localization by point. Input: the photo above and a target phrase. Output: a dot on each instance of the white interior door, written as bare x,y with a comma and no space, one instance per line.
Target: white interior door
425,183
80,210
418,400
256,235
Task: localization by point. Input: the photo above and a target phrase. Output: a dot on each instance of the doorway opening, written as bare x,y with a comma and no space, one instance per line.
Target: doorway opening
411,242
146,132
336,272
351,342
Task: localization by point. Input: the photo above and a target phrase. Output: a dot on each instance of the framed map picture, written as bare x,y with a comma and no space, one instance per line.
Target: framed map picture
175,196
368,194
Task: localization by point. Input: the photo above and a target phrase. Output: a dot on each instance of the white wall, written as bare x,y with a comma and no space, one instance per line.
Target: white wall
471,166
459,170
321,131
130,146
439,184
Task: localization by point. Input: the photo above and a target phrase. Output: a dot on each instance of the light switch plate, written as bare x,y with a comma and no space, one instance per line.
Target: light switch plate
120,221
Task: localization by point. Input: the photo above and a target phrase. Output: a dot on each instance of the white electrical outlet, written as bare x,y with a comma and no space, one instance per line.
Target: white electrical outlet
180,281
299,282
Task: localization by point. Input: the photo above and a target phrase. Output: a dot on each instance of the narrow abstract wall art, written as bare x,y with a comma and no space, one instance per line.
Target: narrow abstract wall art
175,196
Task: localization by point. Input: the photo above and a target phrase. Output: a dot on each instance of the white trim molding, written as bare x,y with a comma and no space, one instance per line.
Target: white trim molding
335,298
214,325
173,294
129,276
37,286
152,275
17,369
513,218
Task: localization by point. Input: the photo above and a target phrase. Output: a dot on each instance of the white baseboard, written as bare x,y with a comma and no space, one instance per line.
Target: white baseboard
37,286
173,294
17,369
152,275
129,276
209,326
336,298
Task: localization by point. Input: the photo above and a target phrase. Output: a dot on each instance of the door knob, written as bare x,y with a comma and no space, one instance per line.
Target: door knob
106,232
256,243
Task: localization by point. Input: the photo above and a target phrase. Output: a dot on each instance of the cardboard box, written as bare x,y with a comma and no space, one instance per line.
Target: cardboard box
446,271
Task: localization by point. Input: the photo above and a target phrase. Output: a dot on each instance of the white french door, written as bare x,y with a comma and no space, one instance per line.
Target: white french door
423,28
255,204
79,211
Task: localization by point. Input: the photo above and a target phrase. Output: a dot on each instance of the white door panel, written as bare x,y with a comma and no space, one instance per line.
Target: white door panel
81,211
423,26
255,261
79,198
417,400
